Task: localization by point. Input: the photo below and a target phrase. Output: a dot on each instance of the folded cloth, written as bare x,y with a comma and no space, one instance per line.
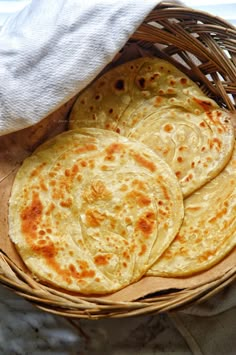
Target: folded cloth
209,327
52,49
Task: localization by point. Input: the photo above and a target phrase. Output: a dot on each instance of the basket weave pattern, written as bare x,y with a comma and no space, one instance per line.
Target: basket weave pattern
204,47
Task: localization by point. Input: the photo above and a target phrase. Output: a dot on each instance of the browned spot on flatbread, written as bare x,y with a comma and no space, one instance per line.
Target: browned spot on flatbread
126,255
202,124
86,148
83,264
141,83
52,174
188,177
218,215
102,259
206,105
143,250
168,128
94,218
120,85
43,185
67,203
214,117
178,174
183,147
180,159
72,172
167,254
206,255
72,272
180,239
139,198
218,142
145,224
50,208
37,170
31,216
112,149
165,192
171,91
67,172
52,182
154,76
195,208
144,162
210,143
183,81
158,101
139,184
57,194
97,191
83,163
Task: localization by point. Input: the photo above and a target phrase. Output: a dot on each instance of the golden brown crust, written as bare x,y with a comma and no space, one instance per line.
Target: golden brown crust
161,107
89,229
208,232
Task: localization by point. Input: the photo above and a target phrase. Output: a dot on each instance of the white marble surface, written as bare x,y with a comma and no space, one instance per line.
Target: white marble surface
208,329
25,330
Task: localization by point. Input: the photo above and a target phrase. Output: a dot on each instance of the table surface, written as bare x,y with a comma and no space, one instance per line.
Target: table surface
26,330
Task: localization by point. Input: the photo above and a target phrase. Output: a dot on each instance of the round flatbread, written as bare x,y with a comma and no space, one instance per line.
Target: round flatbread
90,211
104,102
150,100
197,147
208,232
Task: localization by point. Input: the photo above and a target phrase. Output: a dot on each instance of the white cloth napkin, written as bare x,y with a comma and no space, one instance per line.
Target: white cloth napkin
52,49
209,328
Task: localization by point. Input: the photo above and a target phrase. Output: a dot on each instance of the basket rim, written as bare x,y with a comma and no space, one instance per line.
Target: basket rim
95,308
10,274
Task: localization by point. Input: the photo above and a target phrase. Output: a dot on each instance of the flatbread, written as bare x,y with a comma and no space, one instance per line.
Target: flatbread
197,147
208,232
90,211
103,103
150,100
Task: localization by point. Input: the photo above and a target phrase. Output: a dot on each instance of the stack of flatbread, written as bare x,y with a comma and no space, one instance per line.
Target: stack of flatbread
142,183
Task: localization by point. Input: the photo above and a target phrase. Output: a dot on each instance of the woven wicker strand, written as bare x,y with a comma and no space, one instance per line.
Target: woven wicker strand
204,47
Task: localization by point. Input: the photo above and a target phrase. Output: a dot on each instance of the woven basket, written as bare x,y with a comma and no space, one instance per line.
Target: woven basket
204,47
